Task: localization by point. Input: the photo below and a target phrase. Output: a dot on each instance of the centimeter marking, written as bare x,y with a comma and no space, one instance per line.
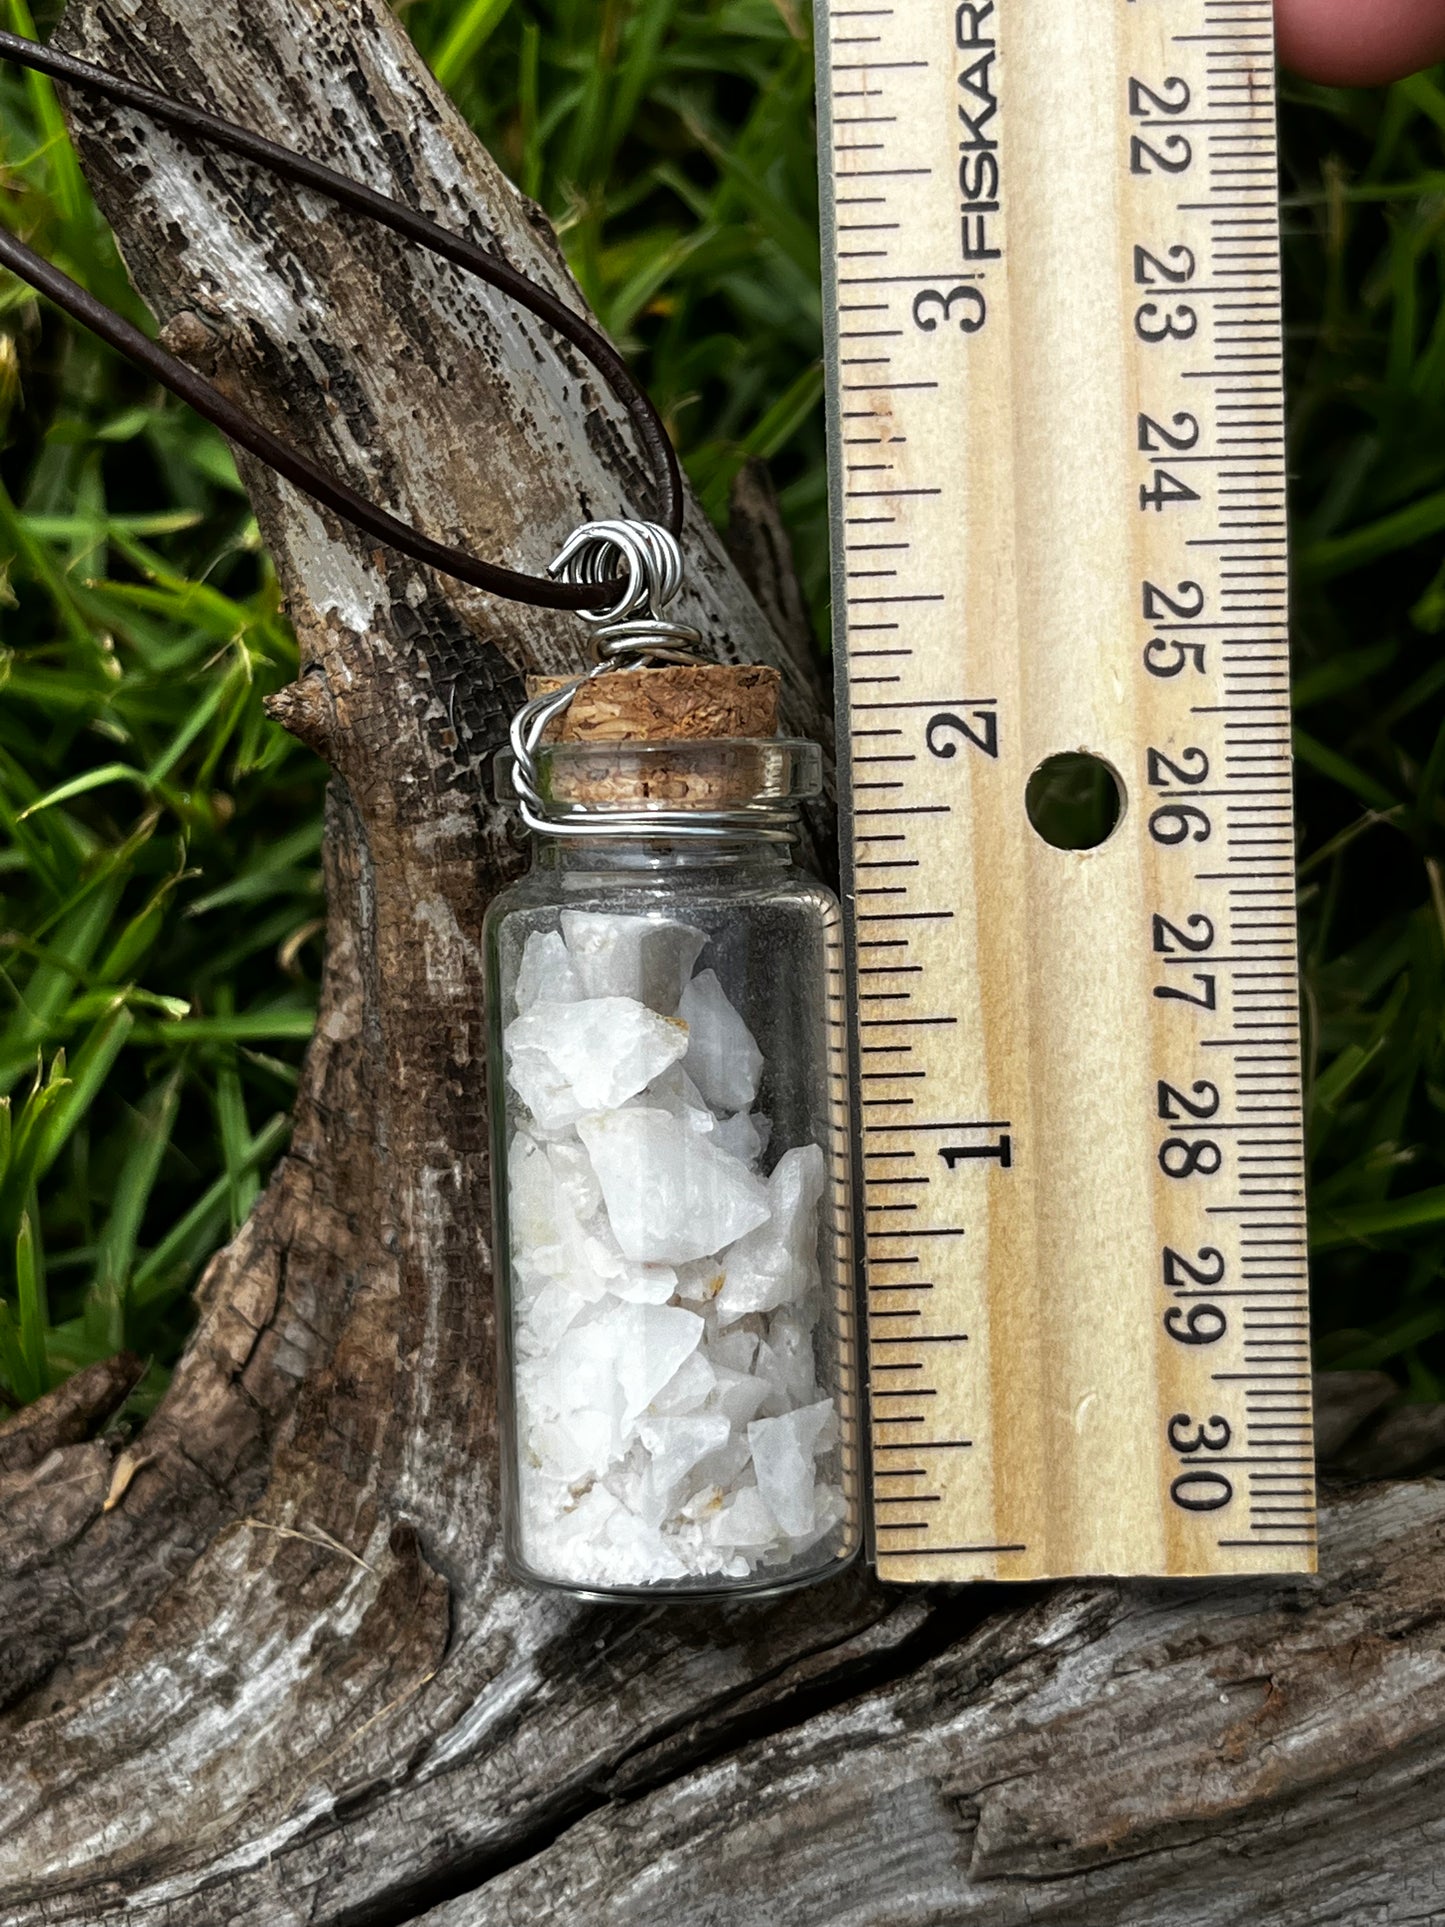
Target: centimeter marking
1058,501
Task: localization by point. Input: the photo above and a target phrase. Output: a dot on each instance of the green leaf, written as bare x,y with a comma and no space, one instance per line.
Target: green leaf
1365,1223
90,1068
34,1322
14,1365
106,1301
1323,561
1341,673
1341,770
133,942
68,187
1399,1336
196,1232
469,33
90,779
48,988
28,1147
247,1026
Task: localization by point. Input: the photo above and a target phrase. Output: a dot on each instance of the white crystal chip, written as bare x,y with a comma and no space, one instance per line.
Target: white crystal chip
776,1264
671,1430
670,1193
782,1450
723,1059
652,1341
649,958
745,1135
546,974
565,1060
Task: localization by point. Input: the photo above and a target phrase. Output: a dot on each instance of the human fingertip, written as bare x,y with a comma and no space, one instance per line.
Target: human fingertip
1343,43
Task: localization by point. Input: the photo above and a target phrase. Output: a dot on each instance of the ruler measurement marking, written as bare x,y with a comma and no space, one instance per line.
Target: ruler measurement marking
904,1552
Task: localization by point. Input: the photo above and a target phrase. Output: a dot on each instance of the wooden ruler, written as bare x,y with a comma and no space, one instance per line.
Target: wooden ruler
1059,525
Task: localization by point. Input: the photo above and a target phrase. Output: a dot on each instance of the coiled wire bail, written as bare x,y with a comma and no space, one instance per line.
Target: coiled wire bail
632,633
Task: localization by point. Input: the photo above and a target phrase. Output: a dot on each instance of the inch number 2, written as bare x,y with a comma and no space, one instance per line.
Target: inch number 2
1173,155
980,729
1172,97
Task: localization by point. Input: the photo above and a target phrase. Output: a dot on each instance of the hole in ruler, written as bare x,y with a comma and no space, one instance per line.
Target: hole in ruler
1074,800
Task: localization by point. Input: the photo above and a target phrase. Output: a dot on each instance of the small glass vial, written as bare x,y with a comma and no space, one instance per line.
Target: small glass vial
668,1074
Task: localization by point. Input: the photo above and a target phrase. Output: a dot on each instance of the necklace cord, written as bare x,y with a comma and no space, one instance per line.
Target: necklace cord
246,432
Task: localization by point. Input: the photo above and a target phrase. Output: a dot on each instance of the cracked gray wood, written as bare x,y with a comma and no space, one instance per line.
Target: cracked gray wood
265,1666
1156,1755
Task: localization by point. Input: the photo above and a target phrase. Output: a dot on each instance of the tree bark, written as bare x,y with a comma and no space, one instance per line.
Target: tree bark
265,1665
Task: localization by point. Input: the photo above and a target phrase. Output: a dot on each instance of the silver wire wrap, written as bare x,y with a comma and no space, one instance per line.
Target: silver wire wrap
631,634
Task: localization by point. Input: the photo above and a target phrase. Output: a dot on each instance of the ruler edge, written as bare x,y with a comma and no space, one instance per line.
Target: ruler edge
842,738
843,778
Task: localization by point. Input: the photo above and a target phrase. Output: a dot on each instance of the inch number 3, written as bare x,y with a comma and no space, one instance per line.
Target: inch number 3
930,306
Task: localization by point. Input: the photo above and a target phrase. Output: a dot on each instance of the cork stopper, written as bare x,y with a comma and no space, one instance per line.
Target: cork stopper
682,704
672,705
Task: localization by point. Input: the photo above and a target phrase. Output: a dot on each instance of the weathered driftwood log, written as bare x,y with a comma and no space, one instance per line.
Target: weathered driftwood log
265,1666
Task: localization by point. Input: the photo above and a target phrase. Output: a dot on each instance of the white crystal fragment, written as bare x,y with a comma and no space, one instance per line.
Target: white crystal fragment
531,1196
647,958
829,1510
786,1366
579,1374
726,1465
641,1555
700,1282
601,1267
565,1060
546,974
783,1450
705,1504
670,1424
745,1134
544,1091
671,1194
548,1314
723,1058
651,1343
574,1178
689,1388
559,1236
644,1284
597,1541
676,1093
738,1394
745,1521
577,1449
776,1264
675,1446
735,1351
586,1520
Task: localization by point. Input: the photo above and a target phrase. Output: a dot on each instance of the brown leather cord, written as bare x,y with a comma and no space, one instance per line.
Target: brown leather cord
247,433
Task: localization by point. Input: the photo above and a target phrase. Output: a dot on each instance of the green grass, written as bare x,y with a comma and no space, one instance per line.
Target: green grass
1365,258
159,933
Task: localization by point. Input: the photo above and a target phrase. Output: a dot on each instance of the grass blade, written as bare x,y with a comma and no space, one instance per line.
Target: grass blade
106,1301
34,1321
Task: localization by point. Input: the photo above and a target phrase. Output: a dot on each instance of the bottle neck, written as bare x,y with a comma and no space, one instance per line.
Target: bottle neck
650,855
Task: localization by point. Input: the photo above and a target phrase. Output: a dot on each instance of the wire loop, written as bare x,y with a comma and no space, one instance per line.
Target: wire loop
647,561
630,633
644,558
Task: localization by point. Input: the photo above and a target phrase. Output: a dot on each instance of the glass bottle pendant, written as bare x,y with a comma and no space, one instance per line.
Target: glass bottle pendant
668,1076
